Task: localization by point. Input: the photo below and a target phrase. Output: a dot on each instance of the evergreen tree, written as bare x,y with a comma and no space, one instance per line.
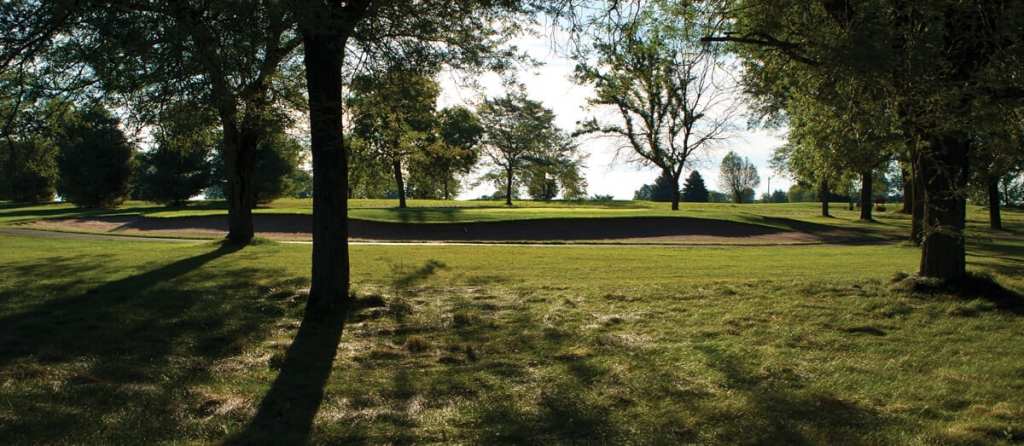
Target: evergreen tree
694,190
180,166
28,171
95,159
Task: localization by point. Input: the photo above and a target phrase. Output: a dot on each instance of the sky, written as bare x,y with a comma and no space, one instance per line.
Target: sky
551,84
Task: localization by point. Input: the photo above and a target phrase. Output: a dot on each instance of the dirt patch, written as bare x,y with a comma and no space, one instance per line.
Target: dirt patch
646,230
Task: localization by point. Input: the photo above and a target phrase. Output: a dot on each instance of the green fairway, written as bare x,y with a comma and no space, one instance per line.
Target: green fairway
439,211
141,342
801,217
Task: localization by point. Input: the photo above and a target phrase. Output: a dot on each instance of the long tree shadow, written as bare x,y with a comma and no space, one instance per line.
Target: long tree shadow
828,233
286,413
125,351
784,412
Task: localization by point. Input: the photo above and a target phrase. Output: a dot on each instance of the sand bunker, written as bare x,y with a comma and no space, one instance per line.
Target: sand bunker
635,230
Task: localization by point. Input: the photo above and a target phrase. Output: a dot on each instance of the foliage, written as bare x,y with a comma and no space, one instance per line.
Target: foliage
694,190
738,176
661,190
278,157
519,133
668,91
28,170
921,79
180,166
95,158
779,196
369,175
435,171
719,197
559,172
392,115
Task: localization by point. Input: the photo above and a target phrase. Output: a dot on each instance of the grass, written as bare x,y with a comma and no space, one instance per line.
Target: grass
792,216
131,342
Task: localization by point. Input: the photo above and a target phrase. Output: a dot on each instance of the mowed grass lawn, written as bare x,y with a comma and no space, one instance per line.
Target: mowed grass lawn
452,211
146,342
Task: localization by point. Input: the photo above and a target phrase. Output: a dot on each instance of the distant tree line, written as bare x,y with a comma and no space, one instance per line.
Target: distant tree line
82,154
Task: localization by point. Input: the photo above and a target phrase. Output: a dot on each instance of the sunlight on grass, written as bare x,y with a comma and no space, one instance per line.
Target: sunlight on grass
124,341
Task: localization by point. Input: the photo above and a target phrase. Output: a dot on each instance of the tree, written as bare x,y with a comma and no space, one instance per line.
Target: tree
558,173
28,170
661,190
719,197
393,114
277,159
369,175
180,166
940,68
467,34
437,168
518,131
669,92
95,159
694,190
779,196
738,176
997,155
234,59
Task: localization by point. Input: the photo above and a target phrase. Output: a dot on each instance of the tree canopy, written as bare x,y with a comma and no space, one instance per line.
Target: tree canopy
670,93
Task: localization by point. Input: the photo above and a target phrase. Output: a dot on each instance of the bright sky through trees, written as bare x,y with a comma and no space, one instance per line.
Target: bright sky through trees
552,84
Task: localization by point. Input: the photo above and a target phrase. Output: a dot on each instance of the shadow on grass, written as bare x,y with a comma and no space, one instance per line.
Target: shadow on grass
975,286
287,410
782,412
1001,255
424,215
405,280
17,214
829,233
127,351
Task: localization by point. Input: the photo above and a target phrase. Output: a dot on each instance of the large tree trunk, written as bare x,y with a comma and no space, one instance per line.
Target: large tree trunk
866,201
399,183
324,53
675,193
240,166
994,218
917,212
908,190
823,193
508,187
944,170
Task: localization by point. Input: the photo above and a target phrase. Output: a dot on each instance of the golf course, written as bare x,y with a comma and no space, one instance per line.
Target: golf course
125,336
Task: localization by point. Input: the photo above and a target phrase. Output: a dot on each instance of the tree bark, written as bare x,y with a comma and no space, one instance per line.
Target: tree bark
675,193
917,212
508,187
994,217
908,192
239,166
399,183
323,57
824,192
866,201
944,172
